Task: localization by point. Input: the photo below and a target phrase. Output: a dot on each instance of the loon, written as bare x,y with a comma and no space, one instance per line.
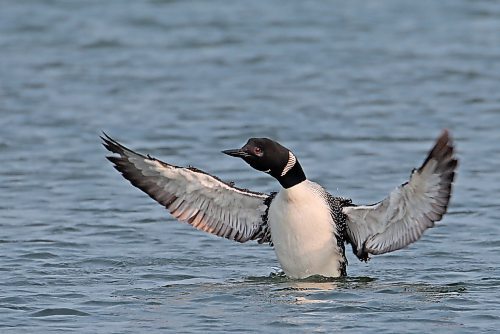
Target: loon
307,226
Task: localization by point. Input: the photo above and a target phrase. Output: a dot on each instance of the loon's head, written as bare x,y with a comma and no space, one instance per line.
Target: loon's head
268,156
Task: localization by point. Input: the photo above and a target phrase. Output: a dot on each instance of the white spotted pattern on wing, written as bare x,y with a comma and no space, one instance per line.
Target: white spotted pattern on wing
289,165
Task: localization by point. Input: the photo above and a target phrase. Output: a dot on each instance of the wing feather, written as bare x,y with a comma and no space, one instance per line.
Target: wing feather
193,196
410,209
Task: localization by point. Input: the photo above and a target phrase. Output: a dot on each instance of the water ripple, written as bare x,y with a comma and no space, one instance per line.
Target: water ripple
49,312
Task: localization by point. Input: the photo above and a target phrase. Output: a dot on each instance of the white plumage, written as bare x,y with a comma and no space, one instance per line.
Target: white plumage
304,233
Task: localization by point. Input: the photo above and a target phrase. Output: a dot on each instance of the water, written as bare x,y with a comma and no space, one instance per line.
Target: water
358,90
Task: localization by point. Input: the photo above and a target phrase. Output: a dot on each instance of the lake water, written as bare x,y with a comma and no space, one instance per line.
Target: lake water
358,90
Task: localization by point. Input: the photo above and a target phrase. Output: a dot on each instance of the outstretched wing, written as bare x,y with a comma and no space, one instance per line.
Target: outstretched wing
193,196
409,210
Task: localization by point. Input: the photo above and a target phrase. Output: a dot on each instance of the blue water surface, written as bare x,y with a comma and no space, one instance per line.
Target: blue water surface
358,90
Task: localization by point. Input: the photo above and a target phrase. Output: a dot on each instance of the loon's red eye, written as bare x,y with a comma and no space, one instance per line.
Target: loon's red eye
258,150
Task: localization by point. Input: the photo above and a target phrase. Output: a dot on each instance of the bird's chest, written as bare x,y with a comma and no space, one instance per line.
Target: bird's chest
303,233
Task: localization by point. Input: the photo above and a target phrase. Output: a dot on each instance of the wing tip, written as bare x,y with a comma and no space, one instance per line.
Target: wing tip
443,152
114,146
110,144
445,132
106,138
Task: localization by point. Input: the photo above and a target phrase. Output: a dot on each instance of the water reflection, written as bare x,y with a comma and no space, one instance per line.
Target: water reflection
323,290
319,289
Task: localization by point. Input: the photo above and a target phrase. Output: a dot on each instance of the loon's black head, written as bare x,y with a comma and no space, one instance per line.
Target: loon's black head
268,156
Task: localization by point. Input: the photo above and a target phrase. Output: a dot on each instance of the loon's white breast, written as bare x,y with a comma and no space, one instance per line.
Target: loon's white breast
304,233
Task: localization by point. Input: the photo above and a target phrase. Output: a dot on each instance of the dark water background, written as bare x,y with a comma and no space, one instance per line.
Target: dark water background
359,90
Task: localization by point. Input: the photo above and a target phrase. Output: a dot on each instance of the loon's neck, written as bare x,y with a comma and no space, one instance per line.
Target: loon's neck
293,177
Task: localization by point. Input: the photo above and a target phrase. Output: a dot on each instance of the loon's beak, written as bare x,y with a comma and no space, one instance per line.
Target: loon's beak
238,153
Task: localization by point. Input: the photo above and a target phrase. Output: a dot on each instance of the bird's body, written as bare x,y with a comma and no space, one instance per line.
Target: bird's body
304,232
307,226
